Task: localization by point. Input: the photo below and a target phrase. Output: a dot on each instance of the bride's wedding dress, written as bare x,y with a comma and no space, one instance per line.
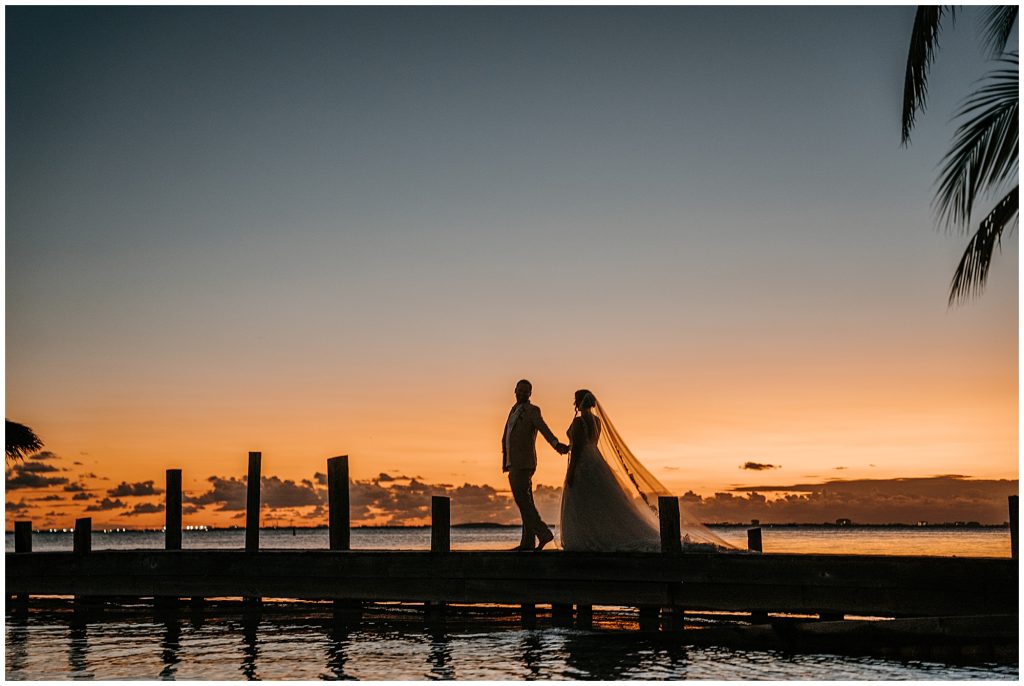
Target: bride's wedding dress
609,501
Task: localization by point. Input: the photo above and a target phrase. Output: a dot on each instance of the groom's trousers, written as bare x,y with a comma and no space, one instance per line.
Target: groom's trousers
521,481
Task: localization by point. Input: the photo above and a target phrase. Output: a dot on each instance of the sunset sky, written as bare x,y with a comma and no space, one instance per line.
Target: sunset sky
342,230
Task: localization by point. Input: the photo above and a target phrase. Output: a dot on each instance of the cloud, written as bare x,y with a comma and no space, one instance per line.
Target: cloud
126,489
74,486
144,508
938,499
48,498
77,463
32,480
45,455
16,508
82,496
106,504
35,468
277,493
229,494
90,475
758,466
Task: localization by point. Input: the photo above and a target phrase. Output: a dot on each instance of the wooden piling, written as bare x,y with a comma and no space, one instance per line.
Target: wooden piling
528,615
23,537
252,504
337,502
649,617
22,544
754,540
561,614
672,618
584,616
172,526
668,514
440,524
83,535
1014,527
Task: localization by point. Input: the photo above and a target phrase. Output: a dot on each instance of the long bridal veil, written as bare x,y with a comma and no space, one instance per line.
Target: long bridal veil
636,480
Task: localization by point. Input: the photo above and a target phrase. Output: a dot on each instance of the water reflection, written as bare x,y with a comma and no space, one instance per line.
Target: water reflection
250,643
338,637
587,657
78,647
440,654
532,651
17,642
170,646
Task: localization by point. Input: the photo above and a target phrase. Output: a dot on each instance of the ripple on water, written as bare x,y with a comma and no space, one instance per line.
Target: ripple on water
219,648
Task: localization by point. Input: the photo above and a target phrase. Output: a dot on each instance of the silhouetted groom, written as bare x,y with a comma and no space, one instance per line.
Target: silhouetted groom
519,459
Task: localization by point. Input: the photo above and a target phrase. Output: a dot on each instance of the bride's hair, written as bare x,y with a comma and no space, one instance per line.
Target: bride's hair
585,399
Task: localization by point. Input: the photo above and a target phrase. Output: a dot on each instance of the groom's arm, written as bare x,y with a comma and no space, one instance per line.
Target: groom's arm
542,427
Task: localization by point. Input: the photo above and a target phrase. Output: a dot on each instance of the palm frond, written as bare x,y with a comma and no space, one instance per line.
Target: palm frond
984,152
998,25
972,272
924,41
20,440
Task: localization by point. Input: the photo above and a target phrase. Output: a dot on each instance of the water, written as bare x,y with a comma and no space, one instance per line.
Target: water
951,541
295,640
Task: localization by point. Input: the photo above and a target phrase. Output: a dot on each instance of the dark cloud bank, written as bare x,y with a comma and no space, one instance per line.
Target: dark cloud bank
397,500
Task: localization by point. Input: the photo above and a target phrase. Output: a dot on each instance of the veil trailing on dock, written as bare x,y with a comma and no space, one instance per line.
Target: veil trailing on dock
638,481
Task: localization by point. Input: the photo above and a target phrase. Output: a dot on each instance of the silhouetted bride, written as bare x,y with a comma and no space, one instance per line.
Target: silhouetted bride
609,502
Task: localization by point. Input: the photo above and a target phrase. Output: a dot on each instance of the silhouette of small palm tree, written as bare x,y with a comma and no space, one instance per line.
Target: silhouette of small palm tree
984,155
20,440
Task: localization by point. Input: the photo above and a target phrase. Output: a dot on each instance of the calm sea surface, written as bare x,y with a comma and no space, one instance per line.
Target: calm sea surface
299,641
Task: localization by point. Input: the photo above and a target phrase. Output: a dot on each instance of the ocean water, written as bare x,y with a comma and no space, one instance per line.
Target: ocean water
300,641
951,541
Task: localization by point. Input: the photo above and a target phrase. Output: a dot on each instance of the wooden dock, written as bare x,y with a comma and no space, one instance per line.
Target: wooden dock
830,586
663,585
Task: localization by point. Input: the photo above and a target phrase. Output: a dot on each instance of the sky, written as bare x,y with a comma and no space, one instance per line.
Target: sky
350,230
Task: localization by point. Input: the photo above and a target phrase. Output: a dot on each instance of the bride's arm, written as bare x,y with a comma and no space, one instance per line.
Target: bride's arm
574,445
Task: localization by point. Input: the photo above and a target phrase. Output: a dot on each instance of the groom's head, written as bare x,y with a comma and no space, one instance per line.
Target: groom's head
523,390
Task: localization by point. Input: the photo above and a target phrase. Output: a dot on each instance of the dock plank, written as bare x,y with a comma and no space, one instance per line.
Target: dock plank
864,585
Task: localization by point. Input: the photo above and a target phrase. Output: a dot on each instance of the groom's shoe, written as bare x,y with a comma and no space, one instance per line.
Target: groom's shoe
544,540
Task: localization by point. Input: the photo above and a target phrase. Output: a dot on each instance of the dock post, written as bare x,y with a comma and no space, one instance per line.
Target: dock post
668,514
172,526
172,529
82,543
754,545
649,617
22,544
440,524
1014,527
584,616
528,615
337,502
754,540
671,543
23,537
252,518
252,504
440,542
561,614
83,536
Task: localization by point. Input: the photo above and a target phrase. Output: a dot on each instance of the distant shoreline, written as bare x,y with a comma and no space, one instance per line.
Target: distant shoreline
489,525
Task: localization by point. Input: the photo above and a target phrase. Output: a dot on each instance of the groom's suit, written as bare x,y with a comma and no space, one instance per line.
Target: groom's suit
519,459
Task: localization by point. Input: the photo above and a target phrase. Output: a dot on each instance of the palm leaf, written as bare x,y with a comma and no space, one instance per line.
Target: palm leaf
998,26
924,41
972,272
984,152
20,440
